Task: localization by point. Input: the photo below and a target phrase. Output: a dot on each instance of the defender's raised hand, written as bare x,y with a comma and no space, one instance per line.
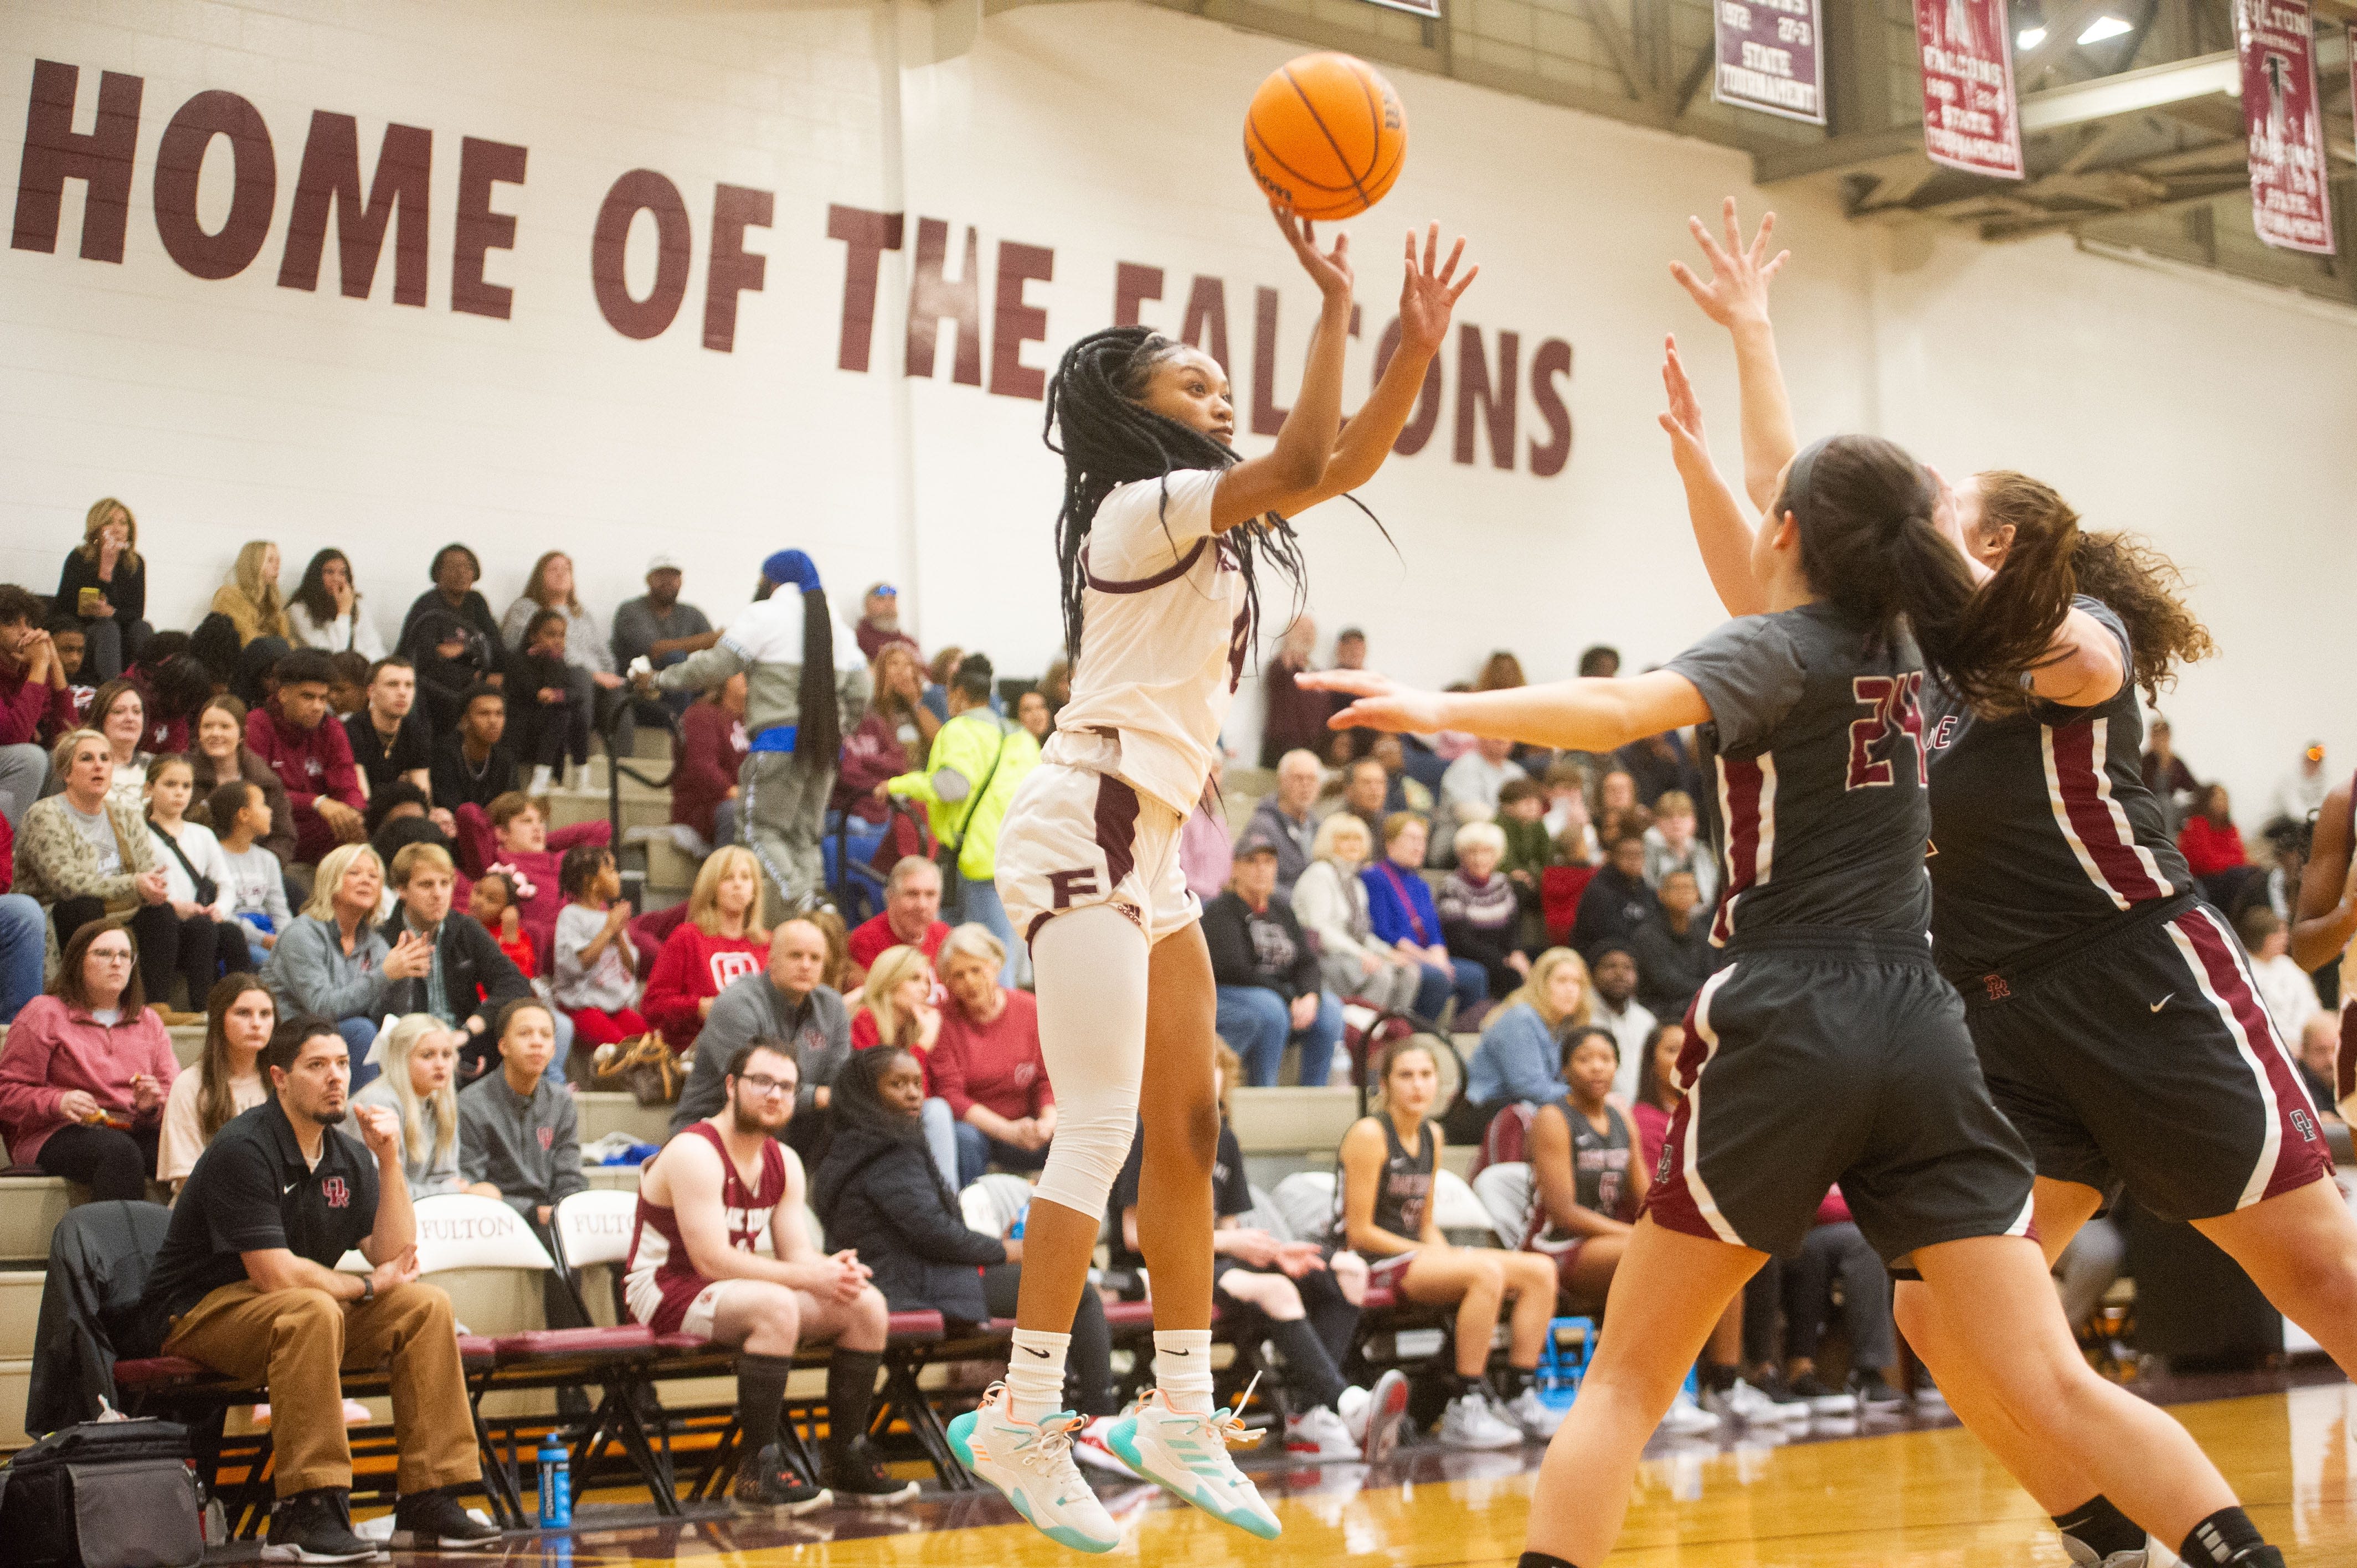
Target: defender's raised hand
1683,418
1429,294
1737,289
1383,704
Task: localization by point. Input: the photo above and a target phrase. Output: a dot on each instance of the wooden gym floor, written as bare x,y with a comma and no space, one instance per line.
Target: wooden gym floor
1905,1493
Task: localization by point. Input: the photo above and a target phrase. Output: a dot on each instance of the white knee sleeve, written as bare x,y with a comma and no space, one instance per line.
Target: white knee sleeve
1089,968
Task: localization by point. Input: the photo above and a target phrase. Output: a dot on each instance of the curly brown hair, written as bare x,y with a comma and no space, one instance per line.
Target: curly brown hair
2142,586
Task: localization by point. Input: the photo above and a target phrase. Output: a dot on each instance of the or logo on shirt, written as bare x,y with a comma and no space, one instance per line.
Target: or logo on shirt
2304,1124
1024,1072
814,1039
311,766
337,1194
1997,989
728,967
547,1138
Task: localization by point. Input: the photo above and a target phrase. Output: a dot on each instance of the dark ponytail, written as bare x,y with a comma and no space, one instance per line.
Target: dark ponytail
2139,585
1111,438
1870,547
819,738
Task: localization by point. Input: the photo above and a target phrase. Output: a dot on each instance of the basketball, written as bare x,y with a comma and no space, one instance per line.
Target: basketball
1326,137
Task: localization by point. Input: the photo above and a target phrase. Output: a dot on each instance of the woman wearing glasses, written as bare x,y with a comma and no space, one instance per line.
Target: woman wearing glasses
86,1070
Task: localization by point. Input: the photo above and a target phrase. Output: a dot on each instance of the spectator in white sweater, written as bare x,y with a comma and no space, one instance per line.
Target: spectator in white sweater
1468,792
1670,844
1331,902
2289,994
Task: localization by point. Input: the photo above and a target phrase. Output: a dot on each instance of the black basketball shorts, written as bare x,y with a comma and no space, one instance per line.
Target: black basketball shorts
2146,1058
1822,1055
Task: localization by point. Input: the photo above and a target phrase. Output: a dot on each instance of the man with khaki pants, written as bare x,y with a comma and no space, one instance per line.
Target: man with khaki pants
246,1284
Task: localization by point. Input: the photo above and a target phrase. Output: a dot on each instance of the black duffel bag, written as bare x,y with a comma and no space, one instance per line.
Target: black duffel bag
106,1494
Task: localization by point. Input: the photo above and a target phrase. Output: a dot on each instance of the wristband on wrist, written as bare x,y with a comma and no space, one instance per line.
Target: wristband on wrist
367,1289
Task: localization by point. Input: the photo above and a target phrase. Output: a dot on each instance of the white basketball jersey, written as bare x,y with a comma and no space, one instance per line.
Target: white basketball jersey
1162,635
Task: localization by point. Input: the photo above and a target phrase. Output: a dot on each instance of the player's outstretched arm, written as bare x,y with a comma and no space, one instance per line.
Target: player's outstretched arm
1736,297
1282,480
1721,530
1576,715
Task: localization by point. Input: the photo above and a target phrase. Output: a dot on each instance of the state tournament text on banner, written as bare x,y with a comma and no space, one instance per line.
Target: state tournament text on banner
1771,58
2289,205
1971,118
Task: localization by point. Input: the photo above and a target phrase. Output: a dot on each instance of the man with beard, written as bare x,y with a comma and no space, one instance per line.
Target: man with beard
660,630
721,1249
246,1283
880,620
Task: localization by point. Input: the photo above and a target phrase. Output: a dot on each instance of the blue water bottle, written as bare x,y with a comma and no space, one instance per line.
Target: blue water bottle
555,1484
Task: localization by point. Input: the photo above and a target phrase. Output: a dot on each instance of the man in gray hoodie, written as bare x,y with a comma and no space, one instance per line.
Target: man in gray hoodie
783,1003
806,687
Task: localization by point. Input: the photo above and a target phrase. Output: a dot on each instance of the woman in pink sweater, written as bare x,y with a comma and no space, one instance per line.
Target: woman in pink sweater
987,1061
86,1070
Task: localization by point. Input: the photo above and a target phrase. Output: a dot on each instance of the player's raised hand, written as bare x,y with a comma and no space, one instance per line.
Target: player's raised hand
1330,270
1382,703
1429,292
1738,290
1683,418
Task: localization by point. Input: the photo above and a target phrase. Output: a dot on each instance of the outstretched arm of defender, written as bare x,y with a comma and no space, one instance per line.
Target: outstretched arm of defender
1721,532
1578,715
1736,297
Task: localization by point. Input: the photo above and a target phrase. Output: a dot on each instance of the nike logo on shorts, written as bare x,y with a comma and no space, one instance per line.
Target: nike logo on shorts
2162,1003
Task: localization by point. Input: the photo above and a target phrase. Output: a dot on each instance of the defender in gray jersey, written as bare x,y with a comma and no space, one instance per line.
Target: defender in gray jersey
2057,894
1829,1048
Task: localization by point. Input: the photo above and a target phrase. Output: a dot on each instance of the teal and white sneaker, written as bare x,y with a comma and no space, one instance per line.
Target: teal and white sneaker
1032,1464
1188,1455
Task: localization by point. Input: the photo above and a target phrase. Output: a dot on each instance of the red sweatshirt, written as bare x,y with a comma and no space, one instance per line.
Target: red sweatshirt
712,747
691,967
2208,850
997,1064
310,764
539,908
32,712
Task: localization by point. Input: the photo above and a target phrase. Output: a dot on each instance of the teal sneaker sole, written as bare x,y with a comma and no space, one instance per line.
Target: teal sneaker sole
961,1436
1121,1438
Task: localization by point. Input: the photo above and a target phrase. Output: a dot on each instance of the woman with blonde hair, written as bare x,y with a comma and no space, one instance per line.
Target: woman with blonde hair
1519,1059
721,941
898,1005
250,598
1331,902
332,961
104,585
418,1084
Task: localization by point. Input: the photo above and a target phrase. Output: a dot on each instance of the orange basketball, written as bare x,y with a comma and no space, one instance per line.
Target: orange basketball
1326,137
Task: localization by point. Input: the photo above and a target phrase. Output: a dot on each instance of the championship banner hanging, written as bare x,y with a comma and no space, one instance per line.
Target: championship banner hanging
1769,58
2289,205
1971,118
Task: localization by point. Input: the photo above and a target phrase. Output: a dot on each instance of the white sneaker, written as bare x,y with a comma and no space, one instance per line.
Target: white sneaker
538,786
1089,1447
1319,1435
1687,1419
1031,1464
1535,1415
1373,1415
1187,1453
1474,1420
2083,1556
1746,1403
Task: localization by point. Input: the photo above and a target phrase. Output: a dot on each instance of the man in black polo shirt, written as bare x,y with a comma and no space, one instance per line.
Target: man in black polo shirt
246,1284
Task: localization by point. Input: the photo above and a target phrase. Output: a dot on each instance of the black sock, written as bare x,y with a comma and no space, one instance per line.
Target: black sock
850,1396
1541,1560
1717,1378
760,1399
1309,1371
2217,1538
2102,1528
1515,1381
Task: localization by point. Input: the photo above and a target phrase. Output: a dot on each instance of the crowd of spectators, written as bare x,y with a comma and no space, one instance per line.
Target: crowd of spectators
278,820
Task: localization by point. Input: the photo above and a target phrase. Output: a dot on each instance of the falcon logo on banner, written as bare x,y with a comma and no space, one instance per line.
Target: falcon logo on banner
2289,207
1970,112
1770,59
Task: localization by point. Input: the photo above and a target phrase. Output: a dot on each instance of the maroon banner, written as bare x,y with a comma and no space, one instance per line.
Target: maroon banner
2289,207
1771,58
1971,118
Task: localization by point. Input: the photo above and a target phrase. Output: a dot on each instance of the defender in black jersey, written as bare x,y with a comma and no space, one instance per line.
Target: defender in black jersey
2326,921
1829,1048
2116,1025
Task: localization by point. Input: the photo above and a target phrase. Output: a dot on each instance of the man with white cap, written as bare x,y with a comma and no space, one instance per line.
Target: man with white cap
806,685
659,629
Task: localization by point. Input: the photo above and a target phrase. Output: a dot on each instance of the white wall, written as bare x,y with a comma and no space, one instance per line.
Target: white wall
234,409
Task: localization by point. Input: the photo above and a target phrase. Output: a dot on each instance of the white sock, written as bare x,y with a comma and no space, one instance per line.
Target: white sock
1182,1368
1035,1374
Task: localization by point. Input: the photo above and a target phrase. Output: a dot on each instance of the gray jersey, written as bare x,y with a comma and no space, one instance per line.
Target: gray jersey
1816,739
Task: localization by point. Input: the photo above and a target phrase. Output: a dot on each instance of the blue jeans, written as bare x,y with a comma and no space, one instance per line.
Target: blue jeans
978,1151
982,905
1467,978
23,936
1257,1022
943,1142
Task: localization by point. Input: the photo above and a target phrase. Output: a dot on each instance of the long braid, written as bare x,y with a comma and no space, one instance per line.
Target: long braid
1111,438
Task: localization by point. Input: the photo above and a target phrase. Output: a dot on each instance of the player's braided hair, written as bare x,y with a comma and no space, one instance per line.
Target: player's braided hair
1111,438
